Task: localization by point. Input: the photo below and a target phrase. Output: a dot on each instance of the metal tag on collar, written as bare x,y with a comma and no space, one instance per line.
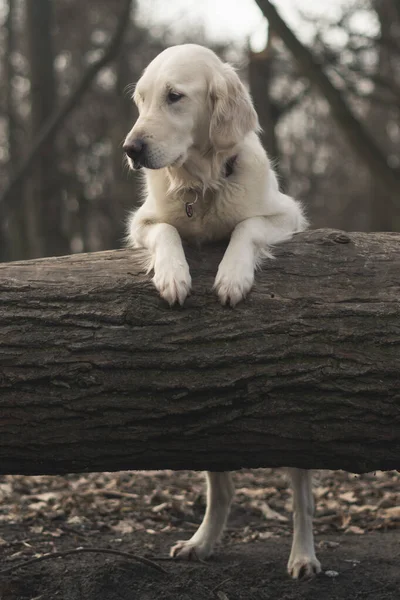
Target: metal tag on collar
189,207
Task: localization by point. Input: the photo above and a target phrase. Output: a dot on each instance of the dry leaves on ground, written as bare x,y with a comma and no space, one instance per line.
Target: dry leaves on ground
165,501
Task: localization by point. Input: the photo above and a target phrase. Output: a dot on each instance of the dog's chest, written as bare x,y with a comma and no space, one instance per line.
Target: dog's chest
205,218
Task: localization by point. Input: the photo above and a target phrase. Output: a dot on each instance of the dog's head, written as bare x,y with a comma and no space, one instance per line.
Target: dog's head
188,100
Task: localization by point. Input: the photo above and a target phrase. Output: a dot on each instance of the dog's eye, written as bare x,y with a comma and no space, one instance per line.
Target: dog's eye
173,97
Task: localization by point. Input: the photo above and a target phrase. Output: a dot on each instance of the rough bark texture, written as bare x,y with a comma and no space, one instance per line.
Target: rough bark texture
97,373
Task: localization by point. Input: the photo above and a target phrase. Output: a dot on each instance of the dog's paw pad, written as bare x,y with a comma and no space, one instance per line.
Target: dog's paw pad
187,550
304,567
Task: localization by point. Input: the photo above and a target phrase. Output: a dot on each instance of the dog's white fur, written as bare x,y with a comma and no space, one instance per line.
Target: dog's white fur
188,145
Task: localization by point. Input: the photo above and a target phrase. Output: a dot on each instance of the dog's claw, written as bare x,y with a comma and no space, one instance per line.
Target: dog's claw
173,281
304,567
187,550
234,280
231,291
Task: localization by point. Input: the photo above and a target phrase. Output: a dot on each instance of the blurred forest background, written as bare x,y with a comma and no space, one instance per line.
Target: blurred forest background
329,106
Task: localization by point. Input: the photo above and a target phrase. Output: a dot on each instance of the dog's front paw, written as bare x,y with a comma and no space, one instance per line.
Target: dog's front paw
303,566
172,279
191,550
233,282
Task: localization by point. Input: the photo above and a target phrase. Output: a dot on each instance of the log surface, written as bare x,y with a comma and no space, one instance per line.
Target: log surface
97,373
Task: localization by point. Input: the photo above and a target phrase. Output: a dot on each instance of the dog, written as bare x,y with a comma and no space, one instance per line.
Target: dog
208,178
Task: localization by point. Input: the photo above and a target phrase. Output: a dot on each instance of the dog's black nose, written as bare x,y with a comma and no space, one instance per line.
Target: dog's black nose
135,149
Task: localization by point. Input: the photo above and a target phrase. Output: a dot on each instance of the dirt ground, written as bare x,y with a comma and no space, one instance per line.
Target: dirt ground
357,536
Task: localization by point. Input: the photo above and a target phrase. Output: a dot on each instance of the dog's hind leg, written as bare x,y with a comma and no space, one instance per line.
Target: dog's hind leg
220,491
302,562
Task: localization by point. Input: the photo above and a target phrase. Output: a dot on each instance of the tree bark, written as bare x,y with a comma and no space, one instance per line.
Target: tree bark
98,373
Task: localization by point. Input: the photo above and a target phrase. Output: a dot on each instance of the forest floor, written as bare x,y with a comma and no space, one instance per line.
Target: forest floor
143,513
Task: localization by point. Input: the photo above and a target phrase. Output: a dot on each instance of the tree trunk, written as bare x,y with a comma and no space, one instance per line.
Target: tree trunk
44,207
98,373
125,191
12,227
260,67
383,118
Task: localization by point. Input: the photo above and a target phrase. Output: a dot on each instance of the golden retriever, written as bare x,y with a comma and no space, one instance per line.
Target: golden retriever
208,178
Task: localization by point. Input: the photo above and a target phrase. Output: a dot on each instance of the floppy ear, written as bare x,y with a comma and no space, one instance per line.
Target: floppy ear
233,114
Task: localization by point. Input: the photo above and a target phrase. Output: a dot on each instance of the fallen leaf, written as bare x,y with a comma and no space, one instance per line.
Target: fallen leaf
358,509
348,497
160,507
269,513
256,493
346,519
266,535
37,506
6,489
328,544
123,527
355,529
76,520
320,492
390,513
45,497
36,529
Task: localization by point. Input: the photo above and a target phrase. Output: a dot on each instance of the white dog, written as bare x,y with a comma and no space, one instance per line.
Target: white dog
208,178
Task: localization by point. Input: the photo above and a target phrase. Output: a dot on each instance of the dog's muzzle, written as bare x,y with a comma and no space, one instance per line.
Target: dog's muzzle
136,151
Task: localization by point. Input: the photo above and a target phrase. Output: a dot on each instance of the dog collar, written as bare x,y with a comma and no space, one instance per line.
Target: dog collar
229,166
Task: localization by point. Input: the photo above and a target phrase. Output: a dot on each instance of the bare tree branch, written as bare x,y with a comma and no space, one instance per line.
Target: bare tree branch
57,120
359,138
52,555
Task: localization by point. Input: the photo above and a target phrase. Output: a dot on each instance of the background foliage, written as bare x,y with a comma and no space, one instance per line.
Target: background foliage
71,191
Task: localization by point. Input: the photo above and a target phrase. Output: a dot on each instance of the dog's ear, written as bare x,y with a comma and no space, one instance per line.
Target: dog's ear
233,114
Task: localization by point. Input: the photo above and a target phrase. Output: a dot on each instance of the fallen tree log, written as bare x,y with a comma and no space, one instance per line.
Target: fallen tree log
97,373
